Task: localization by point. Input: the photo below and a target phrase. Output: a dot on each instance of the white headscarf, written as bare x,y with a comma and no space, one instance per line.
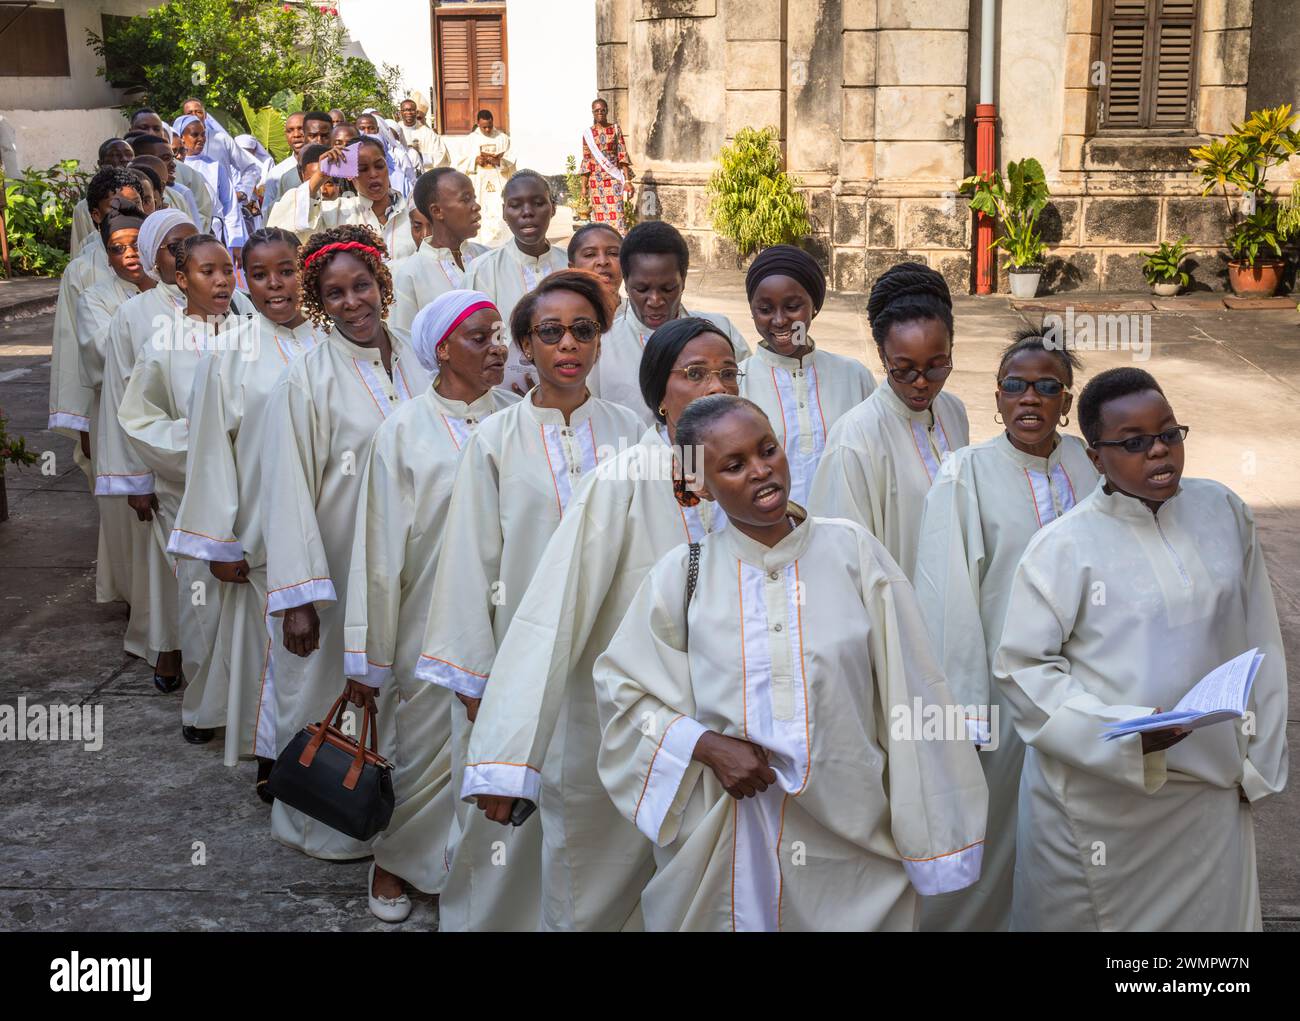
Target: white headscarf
438,320
152,231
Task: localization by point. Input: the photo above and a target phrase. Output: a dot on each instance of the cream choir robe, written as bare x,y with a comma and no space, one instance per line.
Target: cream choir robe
425,274
180,198
803,399
71,401
810,649
427,143
1115,611
113,562
323,415
283,177
880,461
516,477
489,182
980,514
505,275
155,413
305,214
404,501
220,516
82,227
616,376
537,730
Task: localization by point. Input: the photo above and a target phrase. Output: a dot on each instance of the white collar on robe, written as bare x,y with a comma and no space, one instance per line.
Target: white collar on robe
895,404
477,410
1130,508
366,354
789,363
468,252
1042,465
533,262
553,416
288,340
770,558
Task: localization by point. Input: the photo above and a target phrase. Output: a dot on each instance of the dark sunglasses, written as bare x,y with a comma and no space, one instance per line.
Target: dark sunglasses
933,374
584,331
1141,444
1045,387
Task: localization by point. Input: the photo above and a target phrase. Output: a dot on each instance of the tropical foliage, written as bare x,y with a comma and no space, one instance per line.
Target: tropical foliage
1015,203
1164,265
38,216
752,200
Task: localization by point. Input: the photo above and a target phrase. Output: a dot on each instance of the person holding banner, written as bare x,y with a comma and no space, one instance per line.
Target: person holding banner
606,169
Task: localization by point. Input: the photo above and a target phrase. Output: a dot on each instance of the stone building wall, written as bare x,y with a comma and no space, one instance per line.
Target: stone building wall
873,101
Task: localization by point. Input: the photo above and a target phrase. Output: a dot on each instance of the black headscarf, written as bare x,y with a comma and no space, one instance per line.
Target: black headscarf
660,354
120,216
788,261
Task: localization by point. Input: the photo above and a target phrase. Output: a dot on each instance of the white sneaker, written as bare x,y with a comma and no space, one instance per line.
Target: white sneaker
386,909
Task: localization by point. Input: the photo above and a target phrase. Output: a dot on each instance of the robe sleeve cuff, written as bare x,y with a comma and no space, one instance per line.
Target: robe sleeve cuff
945,873
69,420
978,730
503,779
314,590
371,674
663,781
124,485
204,547
1253,782
449,675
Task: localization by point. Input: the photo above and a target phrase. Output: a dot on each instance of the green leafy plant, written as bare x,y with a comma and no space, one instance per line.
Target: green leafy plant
1241,161
1015,203
1164,265
267,126
13,449
752,200
38,216
578,200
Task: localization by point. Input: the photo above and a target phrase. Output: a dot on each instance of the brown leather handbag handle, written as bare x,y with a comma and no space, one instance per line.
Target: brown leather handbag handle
313,746
367,728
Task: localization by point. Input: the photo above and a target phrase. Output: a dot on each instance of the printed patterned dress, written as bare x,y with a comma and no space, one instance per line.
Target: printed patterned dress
605,191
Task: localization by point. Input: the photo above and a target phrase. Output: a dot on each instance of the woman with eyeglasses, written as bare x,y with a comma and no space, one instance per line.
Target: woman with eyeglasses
803,391
517,475
1115,612
537,731
883,456
985,506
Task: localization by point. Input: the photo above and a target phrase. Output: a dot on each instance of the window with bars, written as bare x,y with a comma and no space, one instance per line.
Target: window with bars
1148,48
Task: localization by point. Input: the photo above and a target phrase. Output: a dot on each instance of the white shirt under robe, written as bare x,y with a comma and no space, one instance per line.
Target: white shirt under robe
323,415
537,730
517,474
306,214
220,516
808,649
505,275
880,461
1115,611
980,514
803,399
616,376
404,501
424,275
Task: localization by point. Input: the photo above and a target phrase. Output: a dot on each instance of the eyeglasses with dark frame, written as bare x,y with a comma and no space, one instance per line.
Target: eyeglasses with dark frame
1014,386
584,331
699,374
1142,443
934,374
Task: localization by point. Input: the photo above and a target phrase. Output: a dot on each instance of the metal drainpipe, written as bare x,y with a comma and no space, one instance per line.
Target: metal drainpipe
986,115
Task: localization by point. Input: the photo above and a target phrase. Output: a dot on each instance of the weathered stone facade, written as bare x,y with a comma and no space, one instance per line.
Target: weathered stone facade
874,100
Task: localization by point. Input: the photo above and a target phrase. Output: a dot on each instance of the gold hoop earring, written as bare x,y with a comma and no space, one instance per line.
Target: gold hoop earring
997,417
662,413
1065,420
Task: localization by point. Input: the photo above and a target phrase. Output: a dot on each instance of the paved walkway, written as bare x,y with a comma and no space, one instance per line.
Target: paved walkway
152,833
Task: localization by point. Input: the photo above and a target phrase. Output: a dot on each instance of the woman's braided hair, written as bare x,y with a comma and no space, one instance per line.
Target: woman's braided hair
905,293
311,302
183,249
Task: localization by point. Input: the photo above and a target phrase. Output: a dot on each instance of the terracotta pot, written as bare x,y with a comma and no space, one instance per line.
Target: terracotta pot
1258,281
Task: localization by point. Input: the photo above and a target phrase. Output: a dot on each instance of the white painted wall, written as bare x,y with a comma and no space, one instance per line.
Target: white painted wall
40,138
1031,81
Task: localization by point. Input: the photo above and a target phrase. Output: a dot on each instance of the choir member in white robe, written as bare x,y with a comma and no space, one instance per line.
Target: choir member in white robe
1116,611
219,524
227,222
119,469
653,259
803,391
537,731
112,153
595,247
485,155
323,415
518,266
404,502
114,576
155,415
981,512
375,205
446,199
882,457
284,175
244,170
183,187
755,704
422,138
516,477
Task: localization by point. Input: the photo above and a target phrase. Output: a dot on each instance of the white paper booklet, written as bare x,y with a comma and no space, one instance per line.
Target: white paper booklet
1222,694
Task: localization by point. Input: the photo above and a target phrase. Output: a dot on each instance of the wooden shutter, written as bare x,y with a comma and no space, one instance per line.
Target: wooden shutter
1149,48
33,43
490,68
471,70
456,84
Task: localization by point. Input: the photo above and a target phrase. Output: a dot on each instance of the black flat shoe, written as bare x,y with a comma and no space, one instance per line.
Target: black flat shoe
197,735
264,767
166,684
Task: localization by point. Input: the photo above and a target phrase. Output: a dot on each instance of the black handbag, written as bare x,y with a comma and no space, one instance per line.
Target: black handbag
336,779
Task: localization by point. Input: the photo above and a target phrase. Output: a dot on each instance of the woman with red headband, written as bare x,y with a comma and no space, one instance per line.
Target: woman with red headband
323,417
405,495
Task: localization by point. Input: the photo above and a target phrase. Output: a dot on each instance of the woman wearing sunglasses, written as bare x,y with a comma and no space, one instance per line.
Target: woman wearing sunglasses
1115,612
882,457
983,509
516,476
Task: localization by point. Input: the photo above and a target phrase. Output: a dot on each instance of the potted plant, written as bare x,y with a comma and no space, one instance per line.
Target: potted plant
578,200
1015,203
752,200
1163,268
1241,160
